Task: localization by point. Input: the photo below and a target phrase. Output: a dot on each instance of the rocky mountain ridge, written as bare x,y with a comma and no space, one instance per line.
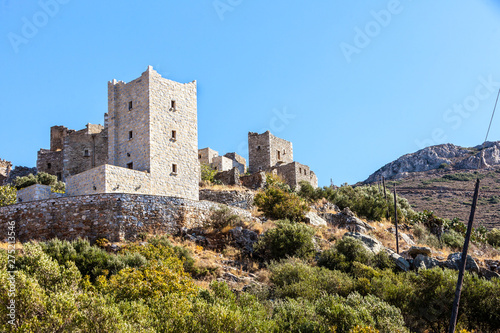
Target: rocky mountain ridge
445,156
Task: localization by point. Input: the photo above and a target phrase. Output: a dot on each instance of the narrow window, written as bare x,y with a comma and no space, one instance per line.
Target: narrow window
130,135
300,170
173,105
258,147
86,153
199,156
174,135
279,155
130,165
284,152
49,165
130,105
305,172
174,168
59,176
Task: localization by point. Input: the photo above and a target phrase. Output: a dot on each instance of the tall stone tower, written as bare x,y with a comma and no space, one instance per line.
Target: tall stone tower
266,151
152,127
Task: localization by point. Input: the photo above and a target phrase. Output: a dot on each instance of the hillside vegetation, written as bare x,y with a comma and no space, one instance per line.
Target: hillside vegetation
294,278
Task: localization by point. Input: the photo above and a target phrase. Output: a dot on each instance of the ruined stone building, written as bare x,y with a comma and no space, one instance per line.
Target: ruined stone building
5,168
148,144
222,163
72,152
272,154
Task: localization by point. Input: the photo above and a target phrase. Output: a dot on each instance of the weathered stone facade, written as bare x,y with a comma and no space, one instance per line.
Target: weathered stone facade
238,162
36,192
266,151
230,177
72,152
112,216
293,173
207,155
222,163
235,198
5,169
255,181
272,154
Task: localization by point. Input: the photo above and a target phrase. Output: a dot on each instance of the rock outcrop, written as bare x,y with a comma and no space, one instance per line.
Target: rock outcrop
346,219
435,157
370,243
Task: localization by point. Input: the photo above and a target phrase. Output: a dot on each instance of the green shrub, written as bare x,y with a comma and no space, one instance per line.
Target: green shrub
463,177
287,239
293,278
221,218
452,239
22,182
207,172
41,178
365,201
494,237
278,202
298,316
343,253
90,260
8,195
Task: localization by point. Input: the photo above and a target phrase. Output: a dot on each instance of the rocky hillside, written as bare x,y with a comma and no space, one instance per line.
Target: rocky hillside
447,156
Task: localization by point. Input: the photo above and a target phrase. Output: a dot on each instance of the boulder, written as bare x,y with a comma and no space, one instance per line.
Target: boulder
400,262
370,243
313,219
454,261
347,220
244,239
414,251
487,274
424,262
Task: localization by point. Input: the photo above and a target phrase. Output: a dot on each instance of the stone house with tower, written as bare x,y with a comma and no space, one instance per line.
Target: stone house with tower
148,144
269,153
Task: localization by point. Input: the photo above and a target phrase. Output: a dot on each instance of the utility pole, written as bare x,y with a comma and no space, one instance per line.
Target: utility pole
396,220
458,291
385,196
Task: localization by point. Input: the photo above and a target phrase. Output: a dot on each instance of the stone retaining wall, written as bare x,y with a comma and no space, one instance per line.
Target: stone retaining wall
112,216
235,198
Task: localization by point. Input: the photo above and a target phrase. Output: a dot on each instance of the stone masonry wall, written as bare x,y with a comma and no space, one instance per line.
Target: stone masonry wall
92,140
50,162
294,173
112,216
175,169
108,179
129,123
206,155
36,192
281,151
267,151
235,198
222,163
254,181
238,161
230,177
258,151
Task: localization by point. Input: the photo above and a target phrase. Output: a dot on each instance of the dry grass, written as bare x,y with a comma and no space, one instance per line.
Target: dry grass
8,246
221,188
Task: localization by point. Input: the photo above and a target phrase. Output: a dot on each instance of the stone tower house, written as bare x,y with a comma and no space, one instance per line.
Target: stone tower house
152,141
266,151
152,127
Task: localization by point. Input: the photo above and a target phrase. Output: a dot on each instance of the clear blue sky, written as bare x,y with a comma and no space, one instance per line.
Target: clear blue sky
352,89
